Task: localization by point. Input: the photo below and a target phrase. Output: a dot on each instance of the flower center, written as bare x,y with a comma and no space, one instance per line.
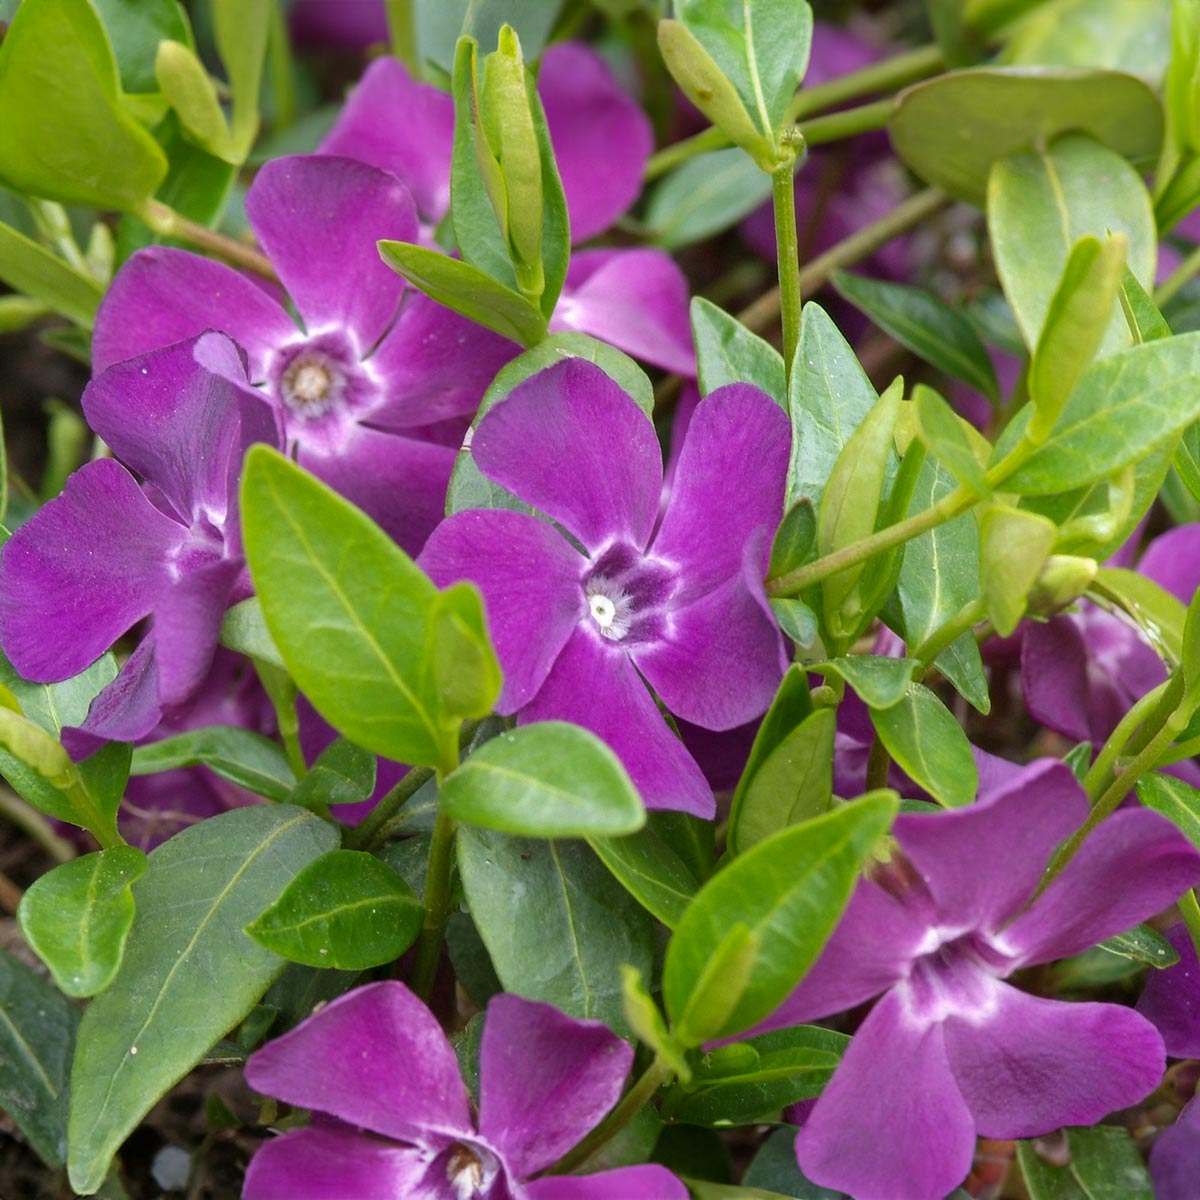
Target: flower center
471,1172
958,977
627,595
312,383
610,607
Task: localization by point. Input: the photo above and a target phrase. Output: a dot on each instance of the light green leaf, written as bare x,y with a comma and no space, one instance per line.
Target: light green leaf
879,681
189,90
650,871
239,755
1179,802
1014,546
942,431
703,196
34,271
243,629
242,28
1143,944
1156,611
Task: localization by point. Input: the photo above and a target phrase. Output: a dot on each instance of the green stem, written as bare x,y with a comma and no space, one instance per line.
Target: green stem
1173,284
962,622
437,905
836,126
30,821
787,250
1098,776
166,222
402,29
878,762
630,1105
363,837
1191,917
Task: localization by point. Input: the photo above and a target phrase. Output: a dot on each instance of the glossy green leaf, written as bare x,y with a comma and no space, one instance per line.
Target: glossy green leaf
721,984
1042,202
346,910
1104,1164
727,352
37,1040
467,290
78,916
650,871
795,541
879,681
342,774
189,973
1014,546
550,779
929,745
1143,944
245,758
135,29
66,134
789,891
1179,802
348,609
929,327
1159,613
703,196
951,129
557,925
31,269
244,629
797,620
941,429
465,671
241,29
646,1021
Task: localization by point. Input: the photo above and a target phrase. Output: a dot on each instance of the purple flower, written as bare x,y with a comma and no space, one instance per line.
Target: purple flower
675,600
399,1121
354,25
950,1050
366,388
111,551
1175,1156
1171,998
635,299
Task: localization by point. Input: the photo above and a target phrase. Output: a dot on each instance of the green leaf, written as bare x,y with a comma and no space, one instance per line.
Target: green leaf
1014,546
941,429
829,395
646,1021
556,924
77,917
34,271
795,540
346,910
191,93
1179,802
135,29
929,745
551,779
879,681
721,984
789,891
466,673
467,290
244,629
747,1082
189,973
1104,1164
797,620
951,129
1156,611
343,774
37,1040
241,29
1041,203
348,609
66,134
1146,323
703,196
245,758
650,871
775,1168
727,352
927,326
1123,408
1143,944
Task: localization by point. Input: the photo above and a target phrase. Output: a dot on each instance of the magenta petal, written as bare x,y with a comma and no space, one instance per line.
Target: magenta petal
1034,1064
1130,867
570,442
1171,998
399,482
601,137
649,1182
331,1162
125,711
400,126
324,23
636,300
1173,562
187,620
1175,1156
531,580
82,572
545,1080
1020,825
597,686
375,1058
891,1123
737,444
162,295
318,218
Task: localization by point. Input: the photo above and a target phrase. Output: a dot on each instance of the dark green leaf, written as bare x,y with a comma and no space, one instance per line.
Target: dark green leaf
245,758
879,681
1143,944
1104,1164
702,197
774,1167
929,745
796,618
243,629
795,540
650,871
727,352
1177,801
343,774
135,27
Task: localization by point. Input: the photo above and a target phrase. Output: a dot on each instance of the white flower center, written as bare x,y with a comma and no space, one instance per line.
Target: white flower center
610,606
312,384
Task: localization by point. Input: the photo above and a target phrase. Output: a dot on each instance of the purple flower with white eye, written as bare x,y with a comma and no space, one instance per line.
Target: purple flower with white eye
393,1118
1175,1156
578,621
111,551
635,299
366,387
951,1050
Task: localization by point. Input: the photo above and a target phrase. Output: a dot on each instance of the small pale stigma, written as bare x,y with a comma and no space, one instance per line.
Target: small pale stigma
610,607
309,385
464,1173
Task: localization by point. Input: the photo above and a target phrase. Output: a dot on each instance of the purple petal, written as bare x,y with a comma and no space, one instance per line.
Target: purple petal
545,1080
737,444
83,571
400,126
162,295
982,863
570,442
324,23
636,300
891,1122
331,1162
398,482
1034,1064
1173,562
649,1182
1130,867
125,711
1175,1156
597,686
384,1065
434,364
318,218
601,137
1171,998
531,580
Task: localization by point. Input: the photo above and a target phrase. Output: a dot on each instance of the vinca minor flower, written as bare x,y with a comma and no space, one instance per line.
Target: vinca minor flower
579,620
951,1050
394,1119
